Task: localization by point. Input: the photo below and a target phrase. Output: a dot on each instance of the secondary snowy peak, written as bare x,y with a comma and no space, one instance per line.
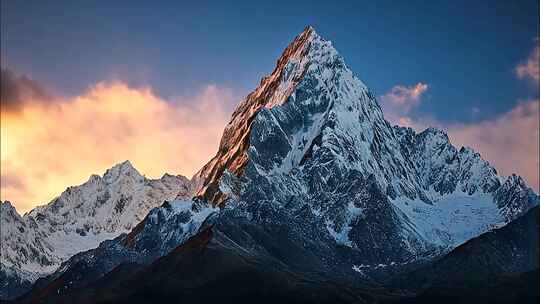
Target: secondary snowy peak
441,167
83,216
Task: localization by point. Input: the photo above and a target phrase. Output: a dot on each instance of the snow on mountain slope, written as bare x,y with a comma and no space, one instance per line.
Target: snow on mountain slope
453,219
440,166
82,217
482,265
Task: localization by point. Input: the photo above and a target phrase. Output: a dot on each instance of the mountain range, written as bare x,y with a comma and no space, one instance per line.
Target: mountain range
312,196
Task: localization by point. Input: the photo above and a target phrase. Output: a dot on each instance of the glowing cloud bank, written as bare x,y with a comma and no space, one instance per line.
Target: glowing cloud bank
49,145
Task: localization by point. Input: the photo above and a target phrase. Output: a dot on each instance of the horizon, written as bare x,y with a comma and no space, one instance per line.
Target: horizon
133,111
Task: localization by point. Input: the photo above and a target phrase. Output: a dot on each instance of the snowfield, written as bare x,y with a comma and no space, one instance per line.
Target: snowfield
452,219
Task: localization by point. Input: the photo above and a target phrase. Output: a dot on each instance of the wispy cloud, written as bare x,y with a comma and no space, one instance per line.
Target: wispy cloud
47,146
404,98
400,100
530,68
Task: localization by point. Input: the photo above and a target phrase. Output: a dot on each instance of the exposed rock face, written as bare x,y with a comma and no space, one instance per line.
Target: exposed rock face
309,174
232,153
514,197
102,208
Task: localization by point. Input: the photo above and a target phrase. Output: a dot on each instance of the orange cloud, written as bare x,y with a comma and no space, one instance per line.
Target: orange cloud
47,146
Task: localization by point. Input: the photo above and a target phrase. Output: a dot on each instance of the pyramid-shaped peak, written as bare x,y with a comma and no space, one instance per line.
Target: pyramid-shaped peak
516,180
308,53
307,40
309,28
309,31
309,71
125,164
304,45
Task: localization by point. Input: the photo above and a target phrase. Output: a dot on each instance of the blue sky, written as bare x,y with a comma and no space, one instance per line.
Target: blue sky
465,50
74,75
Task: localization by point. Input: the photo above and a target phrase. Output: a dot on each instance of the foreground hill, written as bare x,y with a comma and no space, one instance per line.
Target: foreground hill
495,267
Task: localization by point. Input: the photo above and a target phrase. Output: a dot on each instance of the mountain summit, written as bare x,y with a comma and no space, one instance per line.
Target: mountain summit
310,178
311,74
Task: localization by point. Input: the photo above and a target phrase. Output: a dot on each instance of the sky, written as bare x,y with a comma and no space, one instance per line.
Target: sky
87,84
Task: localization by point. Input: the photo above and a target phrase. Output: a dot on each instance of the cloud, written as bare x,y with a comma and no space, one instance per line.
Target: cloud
398,103
17,90
52,145
404,98
531,67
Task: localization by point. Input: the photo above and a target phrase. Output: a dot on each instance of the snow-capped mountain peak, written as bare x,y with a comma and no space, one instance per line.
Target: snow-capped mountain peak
312,124
308,58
